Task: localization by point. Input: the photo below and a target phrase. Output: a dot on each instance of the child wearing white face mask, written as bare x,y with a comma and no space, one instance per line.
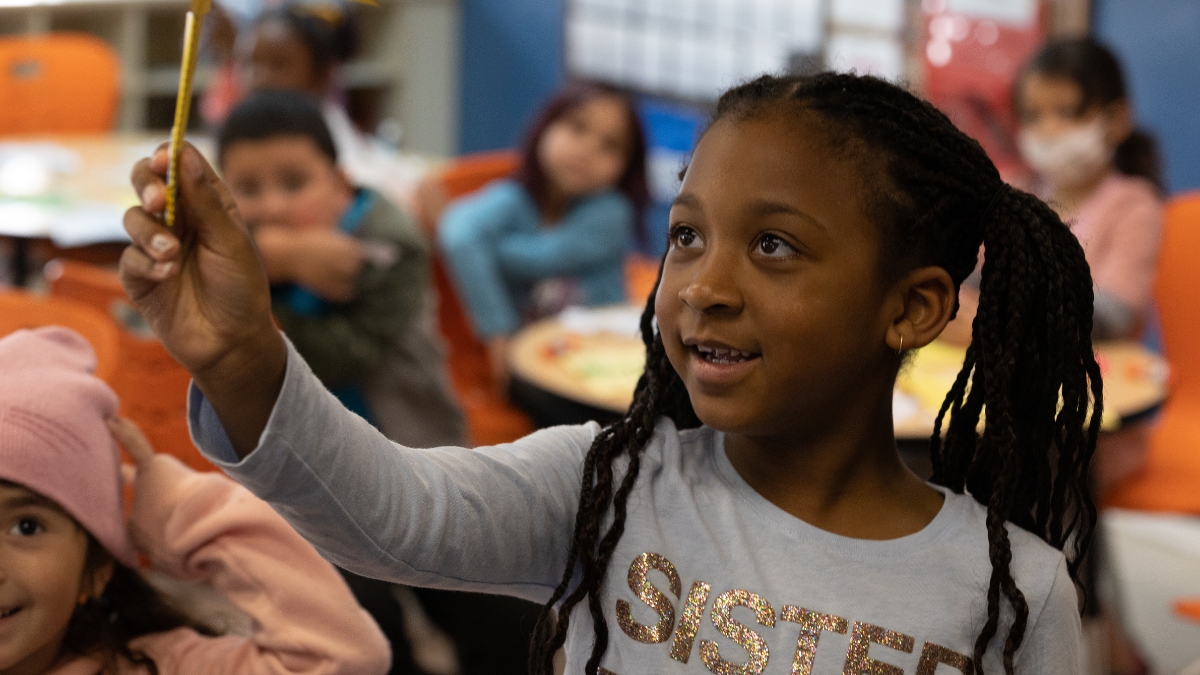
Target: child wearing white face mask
1099,172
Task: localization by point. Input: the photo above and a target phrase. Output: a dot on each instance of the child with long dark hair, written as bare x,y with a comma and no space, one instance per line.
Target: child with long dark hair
750,512
1097,170
557,231
72,601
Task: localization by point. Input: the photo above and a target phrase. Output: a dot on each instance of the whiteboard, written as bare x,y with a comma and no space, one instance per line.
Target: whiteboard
691,49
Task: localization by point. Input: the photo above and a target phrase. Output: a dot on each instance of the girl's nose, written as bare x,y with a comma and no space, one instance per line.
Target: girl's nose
713,288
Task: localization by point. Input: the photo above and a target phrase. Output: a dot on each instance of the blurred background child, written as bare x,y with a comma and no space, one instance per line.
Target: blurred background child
350,287
366,326
556,232
297,47
1098,171
72,599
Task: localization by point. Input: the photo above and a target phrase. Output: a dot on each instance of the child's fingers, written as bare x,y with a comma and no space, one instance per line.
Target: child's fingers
131,438
141,274
210,205
148,234
150,185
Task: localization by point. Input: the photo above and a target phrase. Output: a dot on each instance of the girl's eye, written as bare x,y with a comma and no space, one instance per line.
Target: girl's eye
683,236
774,247
26,527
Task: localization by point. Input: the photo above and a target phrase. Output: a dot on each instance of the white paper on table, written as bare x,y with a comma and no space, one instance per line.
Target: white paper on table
616,320
88,223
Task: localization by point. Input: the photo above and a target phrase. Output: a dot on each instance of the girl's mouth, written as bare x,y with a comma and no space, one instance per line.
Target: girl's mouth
4,614
723,356
721,366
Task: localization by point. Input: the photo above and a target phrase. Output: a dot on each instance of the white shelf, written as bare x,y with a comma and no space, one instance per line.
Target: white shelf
410,54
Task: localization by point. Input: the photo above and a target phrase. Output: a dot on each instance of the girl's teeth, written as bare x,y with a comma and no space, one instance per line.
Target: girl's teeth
723,355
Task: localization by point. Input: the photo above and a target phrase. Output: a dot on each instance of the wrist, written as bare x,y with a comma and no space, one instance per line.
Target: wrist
243,385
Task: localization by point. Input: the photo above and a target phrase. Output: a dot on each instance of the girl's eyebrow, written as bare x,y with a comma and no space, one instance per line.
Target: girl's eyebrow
766,207
688,200
28,499
758,207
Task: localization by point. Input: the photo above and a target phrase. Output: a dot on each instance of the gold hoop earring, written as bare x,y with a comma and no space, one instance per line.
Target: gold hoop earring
901,349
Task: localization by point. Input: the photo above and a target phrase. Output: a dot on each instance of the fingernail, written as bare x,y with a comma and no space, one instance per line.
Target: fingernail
163,270
161,243
148,194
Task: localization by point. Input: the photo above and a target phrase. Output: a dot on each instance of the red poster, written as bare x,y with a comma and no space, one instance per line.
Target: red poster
972,51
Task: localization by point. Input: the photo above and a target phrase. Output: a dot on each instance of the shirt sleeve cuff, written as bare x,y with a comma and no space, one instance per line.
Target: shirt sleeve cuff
209,434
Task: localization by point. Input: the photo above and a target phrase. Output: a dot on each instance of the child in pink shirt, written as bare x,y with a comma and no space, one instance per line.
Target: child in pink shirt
1100,173
71,600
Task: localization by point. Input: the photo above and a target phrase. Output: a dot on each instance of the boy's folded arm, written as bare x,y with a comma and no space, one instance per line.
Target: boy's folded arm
205,527
495,519
345,342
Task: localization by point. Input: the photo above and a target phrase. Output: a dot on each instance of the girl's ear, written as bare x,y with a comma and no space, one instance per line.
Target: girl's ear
96,577
927,296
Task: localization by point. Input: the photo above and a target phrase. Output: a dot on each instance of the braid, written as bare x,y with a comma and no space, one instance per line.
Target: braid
659,393
1030,365
937,199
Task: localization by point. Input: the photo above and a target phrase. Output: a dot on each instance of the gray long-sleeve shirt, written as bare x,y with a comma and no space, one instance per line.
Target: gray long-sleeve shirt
709,575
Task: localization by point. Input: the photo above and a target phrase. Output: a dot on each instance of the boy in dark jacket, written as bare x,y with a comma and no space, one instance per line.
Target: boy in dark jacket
349,271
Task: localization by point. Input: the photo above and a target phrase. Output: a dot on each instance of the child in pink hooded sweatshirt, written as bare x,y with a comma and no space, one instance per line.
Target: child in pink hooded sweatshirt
71,600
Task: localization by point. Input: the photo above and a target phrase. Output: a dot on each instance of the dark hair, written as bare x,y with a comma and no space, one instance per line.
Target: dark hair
128,608
328,30
936,198
273,113
1098,73
631,183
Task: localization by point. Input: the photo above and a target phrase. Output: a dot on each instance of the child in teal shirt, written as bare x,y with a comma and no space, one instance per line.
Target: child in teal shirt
556,232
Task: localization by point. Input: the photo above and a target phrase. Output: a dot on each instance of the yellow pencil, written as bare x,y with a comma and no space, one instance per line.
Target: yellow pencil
183,101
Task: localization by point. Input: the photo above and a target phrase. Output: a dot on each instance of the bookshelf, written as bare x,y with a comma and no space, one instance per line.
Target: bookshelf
407,70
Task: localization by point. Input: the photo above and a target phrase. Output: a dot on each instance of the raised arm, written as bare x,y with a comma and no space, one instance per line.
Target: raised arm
204,527
202,288
495,520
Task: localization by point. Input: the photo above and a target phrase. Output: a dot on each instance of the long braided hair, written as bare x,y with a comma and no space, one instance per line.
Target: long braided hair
937,199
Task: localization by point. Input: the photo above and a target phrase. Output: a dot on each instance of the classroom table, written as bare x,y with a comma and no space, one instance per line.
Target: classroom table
70,190
591,360
74,190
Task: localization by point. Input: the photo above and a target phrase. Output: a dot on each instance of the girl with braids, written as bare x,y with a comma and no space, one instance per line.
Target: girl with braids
750,513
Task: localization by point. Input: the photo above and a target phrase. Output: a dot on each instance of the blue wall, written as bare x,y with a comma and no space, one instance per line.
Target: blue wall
1158,44
511,61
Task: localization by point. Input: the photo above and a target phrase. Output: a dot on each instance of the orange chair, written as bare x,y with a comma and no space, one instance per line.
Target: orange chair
1170,480
19,309
490,418
58,83
151,385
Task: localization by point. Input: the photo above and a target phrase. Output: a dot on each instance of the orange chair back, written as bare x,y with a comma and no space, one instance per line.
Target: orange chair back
19,309
1168,481
152,385
1178,278
58,83
490,419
